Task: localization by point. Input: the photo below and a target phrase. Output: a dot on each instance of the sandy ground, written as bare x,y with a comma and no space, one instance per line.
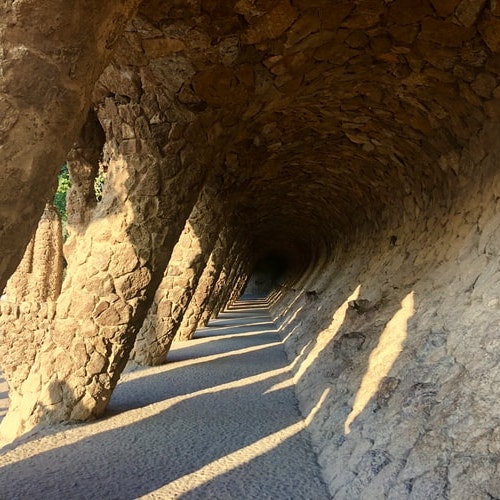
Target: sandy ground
219,421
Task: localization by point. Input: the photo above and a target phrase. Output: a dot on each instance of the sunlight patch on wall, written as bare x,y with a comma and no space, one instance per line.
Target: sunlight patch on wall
382,358
327,335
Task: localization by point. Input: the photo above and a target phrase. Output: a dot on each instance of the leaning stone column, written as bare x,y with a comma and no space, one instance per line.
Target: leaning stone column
179,283
28,303
240,284
52,53
215,304
47,257
18,286
39,275
201,297
234,277
222,282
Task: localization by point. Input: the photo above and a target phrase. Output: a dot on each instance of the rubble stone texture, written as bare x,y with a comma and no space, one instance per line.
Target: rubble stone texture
199,301
356,139
39,276
180,280
83,167
49,65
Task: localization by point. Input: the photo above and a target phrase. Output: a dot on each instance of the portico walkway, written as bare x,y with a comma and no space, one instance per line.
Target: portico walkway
219,421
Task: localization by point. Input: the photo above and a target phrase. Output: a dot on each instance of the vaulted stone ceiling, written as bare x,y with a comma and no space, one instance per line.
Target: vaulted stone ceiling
328,115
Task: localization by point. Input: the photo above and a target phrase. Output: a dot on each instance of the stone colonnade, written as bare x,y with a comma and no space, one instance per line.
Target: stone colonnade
118,253
156,152
189,259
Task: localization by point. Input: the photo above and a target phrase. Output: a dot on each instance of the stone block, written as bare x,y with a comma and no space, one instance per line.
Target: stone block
468,11
445,33
271,25
495,7
307,24
133,284
489,27
161,47
445,8
96,365
484,84
492,109
405,12
129,147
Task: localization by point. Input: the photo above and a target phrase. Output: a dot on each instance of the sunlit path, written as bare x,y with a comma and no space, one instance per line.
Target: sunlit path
219,421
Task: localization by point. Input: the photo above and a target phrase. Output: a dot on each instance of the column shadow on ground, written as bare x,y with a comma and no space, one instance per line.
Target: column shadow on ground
164,439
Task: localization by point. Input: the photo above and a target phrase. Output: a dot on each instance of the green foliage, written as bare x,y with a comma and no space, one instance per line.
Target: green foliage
99,184
63,184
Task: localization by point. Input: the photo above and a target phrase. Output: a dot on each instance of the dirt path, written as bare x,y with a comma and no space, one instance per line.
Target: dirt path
220,421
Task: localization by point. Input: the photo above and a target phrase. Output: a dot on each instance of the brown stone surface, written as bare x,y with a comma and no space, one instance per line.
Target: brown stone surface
359,142
49,65
180,280
39,276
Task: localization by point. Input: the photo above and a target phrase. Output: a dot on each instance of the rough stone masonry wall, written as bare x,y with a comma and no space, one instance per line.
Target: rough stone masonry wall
399,349
28,301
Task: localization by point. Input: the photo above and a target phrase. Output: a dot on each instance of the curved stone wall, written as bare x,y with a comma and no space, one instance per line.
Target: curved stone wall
398,351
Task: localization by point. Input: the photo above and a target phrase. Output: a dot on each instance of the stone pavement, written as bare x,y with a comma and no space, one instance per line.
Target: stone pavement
219,421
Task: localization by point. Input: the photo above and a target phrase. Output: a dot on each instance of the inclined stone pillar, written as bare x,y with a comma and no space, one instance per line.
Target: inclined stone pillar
47,267
241,282
222,281
230,289
18,285
39,275
52,53
202,294
215,305
179,283
113,272
28,302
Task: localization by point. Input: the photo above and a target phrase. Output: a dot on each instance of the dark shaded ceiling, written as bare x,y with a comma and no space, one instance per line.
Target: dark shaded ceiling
330,115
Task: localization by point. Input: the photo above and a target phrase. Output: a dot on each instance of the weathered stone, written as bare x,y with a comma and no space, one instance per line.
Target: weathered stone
447,34
40,274
270,23
468,11
407,12
218,85
161,47
484,84
358,140
131,285
365,15
445,7
489,29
